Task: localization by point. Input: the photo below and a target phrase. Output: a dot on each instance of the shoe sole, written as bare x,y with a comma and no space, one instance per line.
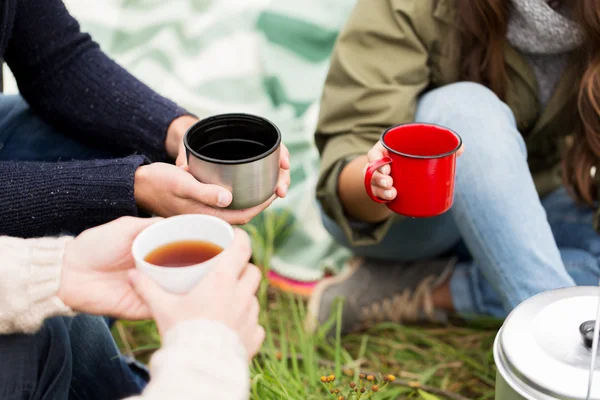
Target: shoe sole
311,322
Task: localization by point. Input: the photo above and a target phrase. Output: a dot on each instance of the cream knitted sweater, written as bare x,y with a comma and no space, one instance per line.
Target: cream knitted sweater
198,359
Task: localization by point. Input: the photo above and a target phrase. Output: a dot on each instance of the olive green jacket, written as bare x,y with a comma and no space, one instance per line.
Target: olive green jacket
387,55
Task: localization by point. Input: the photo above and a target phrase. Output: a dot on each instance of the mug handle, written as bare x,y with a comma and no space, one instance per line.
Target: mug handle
369,176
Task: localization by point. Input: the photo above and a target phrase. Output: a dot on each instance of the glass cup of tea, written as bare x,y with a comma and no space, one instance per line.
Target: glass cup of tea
239,152
178,251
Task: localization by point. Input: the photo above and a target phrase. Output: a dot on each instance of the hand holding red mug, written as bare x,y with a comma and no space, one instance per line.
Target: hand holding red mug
381,182
424,157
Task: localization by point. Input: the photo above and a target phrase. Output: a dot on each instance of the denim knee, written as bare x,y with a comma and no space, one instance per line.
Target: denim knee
36,366
99,371
464,99
478,115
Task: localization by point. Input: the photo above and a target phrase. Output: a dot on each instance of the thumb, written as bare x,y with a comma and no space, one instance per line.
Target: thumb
207,194
181,160
378,152
152,294
131,226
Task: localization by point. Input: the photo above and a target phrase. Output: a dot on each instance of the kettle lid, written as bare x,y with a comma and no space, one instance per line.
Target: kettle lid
544,342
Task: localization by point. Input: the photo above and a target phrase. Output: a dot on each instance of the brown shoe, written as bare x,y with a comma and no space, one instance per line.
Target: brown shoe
375,291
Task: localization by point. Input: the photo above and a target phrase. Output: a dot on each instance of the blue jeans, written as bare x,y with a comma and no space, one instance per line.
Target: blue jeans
69,358
513,244
26,137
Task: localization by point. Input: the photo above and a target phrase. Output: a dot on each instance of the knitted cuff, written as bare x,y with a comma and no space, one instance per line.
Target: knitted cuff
46,266
185,334
32,276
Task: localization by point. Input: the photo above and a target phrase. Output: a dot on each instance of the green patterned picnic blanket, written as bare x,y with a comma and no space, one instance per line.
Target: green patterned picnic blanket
267,57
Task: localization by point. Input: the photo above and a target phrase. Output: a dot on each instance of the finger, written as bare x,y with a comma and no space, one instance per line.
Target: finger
460,151
284,158
386,194
130,227
382,181
377,152
283,183
152,294
234,259
242,217
258,337
382,172
249,318
249,281
385,170
138,312
210,195
181,160
374,155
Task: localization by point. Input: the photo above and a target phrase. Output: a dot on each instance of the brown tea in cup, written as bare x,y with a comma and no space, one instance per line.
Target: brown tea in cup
183,253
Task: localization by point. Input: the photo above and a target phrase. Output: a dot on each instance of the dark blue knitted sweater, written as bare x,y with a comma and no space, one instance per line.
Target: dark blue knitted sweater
71,83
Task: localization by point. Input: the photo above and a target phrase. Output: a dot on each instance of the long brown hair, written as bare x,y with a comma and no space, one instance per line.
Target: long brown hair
483,37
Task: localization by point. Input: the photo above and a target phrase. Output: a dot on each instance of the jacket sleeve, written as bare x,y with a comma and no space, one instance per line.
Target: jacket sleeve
65,77
378,69
199,359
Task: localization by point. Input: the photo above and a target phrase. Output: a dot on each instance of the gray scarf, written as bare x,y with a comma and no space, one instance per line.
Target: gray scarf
546,37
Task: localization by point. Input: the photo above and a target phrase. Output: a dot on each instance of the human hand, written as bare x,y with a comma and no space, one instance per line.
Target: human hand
283,181
94,276
176,149
226,294
166,190
175,133
382,183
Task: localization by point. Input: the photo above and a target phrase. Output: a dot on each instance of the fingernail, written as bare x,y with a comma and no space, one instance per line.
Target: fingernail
385,169
224,199
383,183
387,194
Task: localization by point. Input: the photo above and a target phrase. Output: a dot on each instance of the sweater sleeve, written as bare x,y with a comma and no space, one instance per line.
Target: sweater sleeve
29,278
70,82
199,359
41,199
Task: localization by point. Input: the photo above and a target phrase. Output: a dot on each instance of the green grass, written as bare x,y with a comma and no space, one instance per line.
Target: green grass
429,363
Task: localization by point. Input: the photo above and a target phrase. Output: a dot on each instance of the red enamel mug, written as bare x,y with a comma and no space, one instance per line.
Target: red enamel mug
422,160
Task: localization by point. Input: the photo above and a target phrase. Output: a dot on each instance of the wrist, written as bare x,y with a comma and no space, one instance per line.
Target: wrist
63,284
175,133
140,187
